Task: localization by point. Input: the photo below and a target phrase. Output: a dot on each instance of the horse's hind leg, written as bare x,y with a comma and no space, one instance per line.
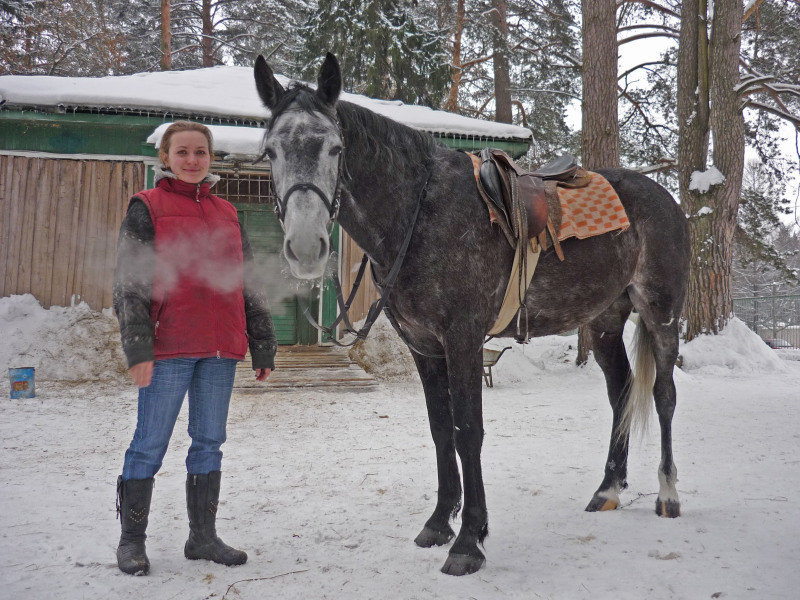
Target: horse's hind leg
660,314
433,373
666,351
609,351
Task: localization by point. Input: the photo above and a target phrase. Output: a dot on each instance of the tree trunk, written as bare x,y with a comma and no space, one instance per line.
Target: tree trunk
451,103
208,30
502,76
600,126
166,37
709,106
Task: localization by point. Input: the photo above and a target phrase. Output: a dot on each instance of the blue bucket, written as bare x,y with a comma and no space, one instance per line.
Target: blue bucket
22,382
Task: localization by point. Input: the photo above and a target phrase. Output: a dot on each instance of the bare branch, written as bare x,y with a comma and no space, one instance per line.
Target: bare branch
642,66
648,26
749,10
642,36
653,5
546,91
786,116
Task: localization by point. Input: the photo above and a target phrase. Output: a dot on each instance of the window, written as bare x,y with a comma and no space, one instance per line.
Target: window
245,187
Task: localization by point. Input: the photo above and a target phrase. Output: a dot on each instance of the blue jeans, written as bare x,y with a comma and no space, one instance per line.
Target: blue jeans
209,382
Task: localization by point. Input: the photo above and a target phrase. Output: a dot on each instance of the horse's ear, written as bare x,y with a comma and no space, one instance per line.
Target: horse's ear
268,87
329,82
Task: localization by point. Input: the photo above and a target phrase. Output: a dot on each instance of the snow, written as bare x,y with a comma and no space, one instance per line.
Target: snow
63,343
703,180
221,91
736,349
326,490
242,141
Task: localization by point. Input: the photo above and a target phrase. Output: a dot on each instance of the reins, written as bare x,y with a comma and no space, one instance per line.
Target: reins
386,288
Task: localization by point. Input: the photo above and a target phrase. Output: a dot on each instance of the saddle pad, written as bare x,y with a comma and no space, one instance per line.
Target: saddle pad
591,210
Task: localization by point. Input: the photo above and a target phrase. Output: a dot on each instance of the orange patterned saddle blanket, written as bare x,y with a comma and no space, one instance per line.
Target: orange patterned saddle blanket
592,210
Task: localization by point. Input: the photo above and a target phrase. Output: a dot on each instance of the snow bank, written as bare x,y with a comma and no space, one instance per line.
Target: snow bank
78,344
383,354
530,362
63,343
736,348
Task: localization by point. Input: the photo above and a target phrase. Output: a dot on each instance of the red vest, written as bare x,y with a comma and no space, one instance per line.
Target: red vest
197,305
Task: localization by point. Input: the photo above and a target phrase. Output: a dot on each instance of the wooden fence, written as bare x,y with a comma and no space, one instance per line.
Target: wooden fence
59,222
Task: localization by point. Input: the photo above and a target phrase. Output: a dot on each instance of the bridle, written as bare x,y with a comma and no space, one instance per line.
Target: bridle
386,286
332,204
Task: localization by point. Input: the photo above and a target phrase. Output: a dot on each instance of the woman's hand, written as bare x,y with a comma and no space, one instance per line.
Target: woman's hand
262,374
142,373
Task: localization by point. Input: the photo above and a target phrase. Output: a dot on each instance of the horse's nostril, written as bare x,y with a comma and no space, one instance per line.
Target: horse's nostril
323,250
289,254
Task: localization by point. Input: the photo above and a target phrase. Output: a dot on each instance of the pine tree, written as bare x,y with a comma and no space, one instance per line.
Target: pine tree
266,27
383,49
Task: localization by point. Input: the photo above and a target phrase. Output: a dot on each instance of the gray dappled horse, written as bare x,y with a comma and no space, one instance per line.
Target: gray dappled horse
450,287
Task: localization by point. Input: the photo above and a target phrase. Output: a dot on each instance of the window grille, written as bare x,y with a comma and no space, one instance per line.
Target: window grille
242,187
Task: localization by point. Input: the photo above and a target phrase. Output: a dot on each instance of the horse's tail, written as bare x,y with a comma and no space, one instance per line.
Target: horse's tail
637,409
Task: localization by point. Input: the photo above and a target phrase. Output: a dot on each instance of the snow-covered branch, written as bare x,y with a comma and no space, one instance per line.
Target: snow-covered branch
787,116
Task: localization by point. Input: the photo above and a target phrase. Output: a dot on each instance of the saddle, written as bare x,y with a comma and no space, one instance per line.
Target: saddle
525,203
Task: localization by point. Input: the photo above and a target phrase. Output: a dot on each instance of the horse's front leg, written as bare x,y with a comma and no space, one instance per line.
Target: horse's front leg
437,530
465,368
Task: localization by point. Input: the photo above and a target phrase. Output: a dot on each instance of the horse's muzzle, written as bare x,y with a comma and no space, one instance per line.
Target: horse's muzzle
307,258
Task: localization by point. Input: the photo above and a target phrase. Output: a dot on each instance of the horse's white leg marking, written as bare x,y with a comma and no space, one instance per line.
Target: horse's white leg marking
611,495
667,481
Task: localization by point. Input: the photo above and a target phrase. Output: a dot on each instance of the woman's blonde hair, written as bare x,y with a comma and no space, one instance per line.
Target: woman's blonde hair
177,127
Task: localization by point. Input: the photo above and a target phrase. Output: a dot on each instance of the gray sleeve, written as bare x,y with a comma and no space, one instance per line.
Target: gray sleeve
133,282
260,330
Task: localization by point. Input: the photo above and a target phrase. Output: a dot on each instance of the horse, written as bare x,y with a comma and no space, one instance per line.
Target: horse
395,191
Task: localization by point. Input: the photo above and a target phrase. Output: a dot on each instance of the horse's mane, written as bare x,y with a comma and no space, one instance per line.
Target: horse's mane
367,135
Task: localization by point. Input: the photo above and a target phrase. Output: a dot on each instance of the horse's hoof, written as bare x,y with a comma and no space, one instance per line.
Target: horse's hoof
462,564
598,504
668,508
429,537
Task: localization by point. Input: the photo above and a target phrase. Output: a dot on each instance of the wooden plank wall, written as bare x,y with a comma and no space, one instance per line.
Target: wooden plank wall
367,294
59,222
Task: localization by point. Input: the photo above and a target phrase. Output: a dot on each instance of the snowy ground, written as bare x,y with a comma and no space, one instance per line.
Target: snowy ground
326,491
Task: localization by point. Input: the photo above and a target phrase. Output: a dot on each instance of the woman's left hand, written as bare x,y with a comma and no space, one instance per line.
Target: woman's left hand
262,374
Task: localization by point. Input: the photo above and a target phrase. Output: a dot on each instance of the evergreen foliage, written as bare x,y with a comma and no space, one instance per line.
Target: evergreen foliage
385,51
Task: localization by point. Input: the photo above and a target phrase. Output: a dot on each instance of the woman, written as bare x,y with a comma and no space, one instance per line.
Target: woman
187,309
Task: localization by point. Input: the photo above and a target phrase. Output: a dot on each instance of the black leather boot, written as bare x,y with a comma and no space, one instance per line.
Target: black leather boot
133,507
202,496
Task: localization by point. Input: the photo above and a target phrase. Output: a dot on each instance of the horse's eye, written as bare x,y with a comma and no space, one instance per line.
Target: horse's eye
270,153
336,151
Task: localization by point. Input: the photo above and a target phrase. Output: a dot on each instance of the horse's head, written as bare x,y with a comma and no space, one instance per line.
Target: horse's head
304,145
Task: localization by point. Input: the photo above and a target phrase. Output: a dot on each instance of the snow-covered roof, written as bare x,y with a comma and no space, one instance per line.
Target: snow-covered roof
222,91
230,140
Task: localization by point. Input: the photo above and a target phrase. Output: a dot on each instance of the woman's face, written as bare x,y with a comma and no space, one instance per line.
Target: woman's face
188,156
